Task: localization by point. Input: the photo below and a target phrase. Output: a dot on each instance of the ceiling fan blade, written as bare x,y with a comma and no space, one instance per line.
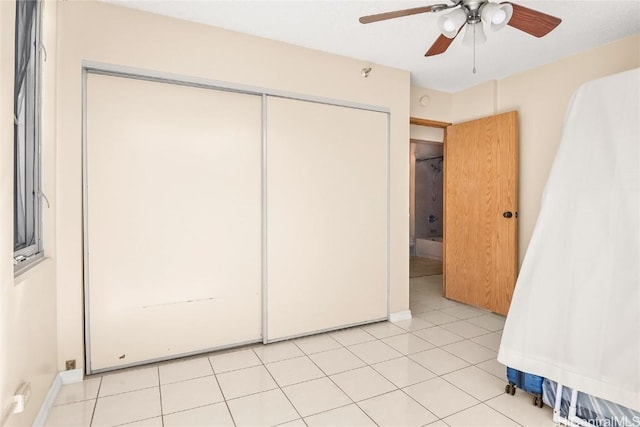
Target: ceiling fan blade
395,14
531,21
441,44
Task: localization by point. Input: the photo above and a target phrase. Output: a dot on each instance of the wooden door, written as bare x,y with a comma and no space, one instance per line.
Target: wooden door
481,211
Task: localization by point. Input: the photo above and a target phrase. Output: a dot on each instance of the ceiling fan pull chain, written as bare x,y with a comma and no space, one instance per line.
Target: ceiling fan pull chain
474,48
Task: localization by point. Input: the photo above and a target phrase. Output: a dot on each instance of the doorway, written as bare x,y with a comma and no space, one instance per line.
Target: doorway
427,165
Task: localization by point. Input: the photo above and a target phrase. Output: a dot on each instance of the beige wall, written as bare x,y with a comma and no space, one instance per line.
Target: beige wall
27,302
111,34
541,96
439,106
478,101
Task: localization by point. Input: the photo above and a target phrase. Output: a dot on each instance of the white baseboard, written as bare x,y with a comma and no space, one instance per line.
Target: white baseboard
64,377
71,376
400,315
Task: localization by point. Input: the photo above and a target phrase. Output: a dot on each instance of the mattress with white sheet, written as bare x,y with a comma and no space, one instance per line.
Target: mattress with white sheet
575,313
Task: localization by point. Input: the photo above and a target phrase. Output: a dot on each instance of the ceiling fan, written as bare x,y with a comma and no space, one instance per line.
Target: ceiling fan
474,13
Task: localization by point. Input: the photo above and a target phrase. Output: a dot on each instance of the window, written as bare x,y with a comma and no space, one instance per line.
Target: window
27,243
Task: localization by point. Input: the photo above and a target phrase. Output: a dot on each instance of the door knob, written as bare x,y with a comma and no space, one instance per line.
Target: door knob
507,214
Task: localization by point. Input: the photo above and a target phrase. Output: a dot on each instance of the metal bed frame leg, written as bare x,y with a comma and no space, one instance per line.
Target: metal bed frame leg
571,419
557,418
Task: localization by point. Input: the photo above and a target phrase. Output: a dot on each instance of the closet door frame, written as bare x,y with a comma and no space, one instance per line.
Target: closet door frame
91,67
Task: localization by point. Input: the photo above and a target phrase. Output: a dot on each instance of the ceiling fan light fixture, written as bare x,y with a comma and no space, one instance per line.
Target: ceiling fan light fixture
498,15
480,36
450,23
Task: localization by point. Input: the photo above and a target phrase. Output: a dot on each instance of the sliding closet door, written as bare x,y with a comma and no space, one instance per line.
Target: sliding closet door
172,220
326,217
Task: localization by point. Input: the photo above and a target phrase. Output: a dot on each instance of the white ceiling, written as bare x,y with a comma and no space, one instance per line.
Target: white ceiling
332,26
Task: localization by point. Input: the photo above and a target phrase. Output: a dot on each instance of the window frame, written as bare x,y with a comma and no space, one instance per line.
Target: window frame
29,249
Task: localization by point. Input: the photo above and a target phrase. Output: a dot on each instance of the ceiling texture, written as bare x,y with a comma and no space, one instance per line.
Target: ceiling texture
332,26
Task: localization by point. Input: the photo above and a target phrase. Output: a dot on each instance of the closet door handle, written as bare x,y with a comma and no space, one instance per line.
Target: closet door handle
507,214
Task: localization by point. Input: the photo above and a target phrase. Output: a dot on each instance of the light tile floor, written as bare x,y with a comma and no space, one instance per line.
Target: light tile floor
437,369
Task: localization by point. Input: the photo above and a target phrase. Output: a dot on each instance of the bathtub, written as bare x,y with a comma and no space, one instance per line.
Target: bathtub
429,248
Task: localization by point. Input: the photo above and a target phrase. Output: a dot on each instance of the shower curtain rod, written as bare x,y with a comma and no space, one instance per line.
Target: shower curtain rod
430,158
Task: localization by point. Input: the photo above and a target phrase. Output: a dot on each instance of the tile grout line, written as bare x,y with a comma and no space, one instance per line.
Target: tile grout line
338,387
334,383
160,393
241,369
95,405
184,410
224,399
130,391
279,387
412,398
465,360
136,421
430,379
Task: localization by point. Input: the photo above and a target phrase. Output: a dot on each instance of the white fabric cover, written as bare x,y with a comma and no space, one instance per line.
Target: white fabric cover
575,313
